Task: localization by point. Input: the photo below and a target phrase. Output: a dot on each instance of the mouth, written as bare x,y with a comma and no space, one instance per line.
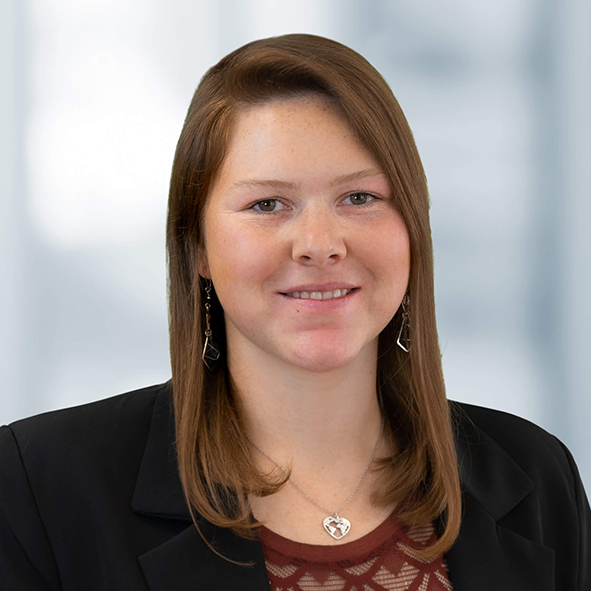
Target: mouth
321,295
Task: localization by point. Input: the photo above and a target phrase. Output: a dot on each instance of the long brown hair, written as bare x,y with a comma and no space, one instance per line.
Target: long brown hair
215,464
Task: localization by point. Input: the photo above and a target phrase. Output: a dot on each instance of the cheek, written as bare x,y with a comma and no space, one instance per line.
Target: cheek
238,258
389,253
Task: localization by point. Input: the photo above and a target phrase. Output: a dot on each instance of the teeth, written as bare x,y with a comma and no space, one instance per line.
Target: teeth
319,295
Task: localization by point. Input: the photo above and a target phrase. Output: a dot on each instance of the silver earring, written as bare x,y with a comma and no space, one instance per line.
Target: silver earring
403,340
210,353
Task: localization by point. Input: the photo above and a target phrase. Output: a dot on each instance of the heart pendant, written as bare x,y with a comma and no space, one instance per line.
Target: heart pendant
332,525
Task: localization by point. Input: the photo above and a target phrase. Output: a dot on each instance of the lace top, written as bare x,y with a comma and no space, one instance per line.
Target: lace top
382,560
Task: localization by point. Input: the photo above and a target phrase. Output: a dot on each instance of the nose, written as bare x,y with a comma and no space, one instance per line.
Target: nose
318,239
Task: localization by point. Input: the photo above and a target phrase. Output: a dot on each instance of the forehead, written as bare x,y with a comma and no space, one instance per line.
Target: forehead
299,114
294,136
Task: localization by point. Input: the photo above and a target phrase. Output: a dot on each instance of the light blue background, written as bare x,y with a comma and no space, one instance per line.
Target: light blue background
497,93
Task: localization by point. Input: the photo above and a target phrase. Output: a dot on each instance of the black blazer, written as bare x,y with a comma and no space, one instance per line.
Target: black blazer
90,500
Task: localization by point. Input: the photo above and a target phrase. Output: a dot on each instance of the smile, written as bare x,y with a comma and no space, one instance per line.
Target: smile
319,295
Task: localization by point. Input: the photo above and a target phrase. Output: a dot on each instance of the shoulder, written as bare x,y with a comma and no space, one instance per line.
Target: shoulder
508,430
527,481
65,475
529,445
82,429
496,449
96,442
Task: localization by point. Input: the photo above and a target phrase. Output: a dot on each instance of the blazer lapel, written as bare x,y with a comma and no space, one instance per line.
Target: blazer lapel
486,555
184,562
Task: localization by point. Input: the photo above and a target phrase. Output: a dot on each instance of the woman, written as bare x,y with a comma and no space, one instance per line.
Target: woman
306,432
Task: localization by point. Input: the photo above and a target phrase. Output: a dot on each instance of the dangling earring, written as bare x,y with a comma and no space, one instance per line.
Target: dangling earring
210,353
403,340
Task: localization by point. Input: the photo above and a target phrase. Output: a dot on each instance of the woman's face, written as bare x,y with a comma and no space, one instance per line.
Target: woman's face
300,209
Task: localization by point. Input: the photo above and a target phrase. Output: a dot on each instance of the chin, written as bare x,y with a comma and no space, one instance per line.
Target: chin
323,361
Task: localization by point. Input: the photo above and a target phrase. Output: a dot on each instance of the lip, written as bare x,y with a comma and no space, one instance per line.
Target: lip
319,287
321,306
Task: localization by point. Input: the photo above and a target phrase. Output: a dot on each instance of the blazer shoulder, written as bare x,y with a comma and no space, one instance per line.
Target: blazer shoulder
69,476
505,428
539,453
549,507
88,430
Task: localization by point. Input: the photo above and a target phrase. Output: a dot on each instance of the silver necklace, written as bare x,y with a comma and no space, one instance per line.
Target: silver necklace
333,523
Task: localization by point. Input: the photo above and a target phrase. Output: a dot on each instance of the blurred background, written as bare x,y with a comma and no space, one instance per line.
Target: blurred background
94,93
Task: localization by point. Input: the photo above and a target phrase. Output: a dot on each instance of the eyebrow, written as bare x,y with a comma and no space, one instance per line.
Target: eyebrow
338,180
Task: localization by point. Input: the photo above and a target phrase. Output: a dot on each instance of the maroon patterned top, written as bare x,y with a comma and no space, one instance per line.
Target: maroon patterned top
382,560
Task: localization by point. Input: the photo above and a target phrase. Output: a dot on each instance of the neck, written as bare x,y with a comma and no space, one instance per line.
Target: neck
312,421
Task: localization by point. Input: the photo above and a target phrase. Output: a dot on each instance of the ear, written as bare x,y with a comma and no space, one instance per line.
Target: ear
202,265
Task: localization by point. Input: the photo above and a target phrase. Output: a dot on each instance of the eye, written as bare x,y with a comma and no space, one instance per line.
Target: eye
360,198
267,206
